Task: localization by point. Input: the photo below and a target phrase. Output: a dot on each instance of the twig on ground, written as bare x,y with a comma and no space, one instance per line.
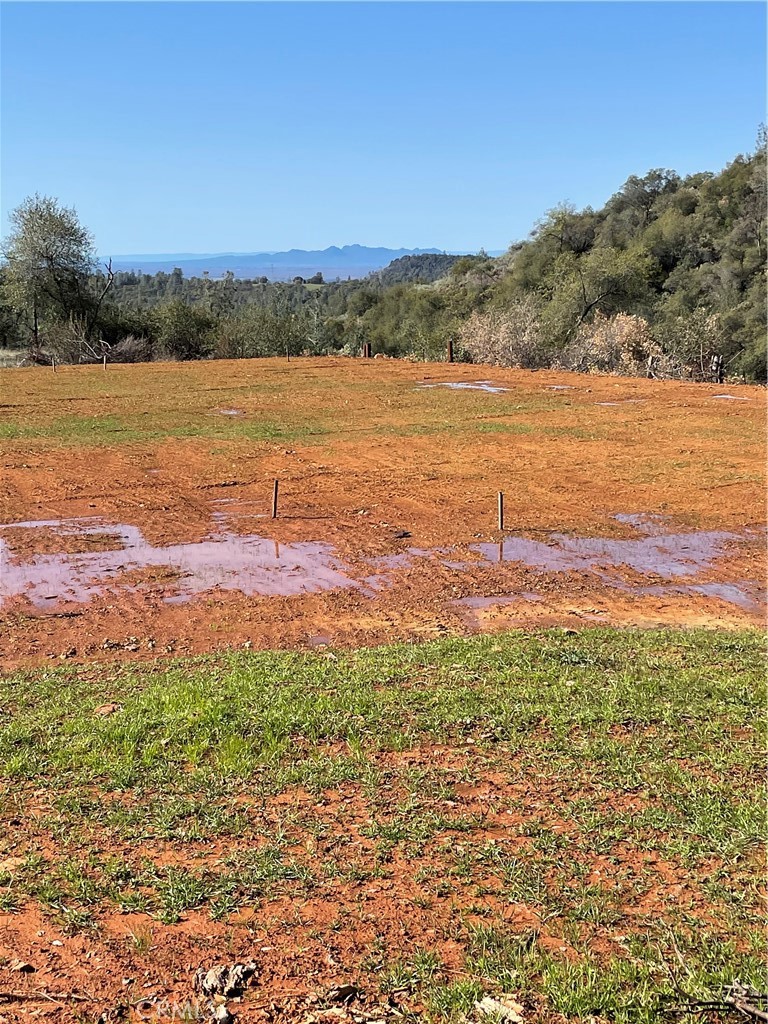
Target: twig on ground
738,997
42,995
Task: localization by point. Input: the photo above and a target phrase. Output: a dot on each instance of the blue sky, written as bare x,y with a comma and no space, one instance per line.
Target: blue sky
210,127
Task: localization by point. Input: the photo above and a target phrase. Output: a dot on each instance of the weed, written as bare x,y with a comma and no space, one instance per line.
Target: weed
141,940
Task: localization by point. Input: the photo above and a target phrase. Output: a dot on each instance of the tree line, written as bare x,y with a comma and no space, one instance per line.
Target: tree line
666,279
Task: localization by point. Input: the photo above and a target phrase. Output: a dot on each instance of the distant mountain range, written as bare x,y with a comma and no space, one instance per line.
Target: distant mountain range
353,261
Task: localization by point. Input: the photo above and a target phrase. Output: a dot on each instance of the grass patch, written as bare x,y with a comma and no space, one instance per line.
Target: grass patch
109,430
575,779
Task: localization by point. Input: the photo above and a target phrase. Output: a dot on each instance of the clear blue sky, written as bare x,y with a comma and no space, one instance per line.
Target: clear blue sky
210,127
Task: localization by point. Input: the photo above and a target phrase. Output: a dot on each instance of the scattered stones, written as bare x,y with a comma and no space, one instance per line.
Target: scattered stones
222,1015
358,1014
130,643
222,980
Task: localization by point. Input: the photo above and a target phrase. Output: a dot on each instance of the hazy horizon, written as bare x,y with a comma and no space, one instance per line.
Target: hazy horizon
268,252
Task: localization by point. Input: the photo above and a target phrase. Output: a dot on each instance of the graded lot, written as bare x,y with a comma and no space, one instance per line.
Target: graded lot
376,460
219,742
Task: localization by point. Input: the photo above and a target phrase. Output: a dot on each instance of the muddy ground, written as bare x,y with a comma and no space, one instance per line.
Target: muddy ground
135,505
536,812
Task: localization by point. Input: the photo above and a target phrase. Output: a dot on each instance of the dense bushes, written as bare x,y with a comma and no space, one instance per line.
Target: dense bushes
507,337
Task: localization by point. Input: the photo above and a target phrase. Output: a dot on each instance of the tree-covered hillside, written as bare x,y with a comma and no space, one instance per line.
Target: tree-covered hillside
422,269
668,275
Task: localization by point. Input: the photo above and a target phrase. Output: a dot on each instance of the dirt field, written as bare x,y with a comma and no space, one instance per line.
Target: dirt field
569,819
387,509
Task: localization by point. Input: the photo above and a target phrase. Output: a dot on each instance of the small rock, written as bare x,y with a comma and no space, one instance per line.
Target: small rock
505,1008
21,966
222,1015
402,534
343,994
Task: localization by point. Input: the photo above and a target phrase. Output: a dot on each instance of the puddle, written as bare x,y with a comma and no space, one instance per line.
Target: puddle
666,555
230,412
222,561
752,599
477,385
255,565
733,398
750,595
560,387
675,557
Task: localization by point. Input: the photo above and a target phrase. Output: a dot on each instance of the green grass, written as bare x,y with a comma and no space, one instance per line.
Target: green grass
612,753
108,430
99,431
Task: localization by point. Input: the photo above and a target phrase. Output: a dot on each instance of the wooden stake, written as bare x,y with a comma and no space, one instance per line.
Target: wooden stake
450,349
274,499
104,360
501,510
53,363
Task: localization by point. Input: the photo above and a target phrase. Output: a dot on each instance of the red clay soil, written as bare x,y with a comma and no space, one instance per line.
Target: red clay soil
348,927
371,455
366,456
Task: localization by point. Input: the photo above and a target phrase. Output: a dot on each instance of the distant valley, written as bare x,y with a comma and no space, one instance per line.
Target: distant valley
347,261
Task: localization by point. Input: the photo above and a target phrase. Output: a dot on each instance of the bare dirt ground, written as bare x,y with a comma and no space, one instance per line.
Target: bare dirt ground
388,483
569,816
